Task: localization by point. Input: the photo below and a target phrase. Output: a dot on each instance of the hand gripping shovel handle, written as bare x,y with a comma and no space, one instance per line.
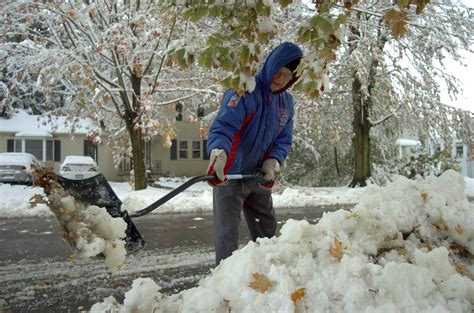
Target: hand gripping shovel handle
259,179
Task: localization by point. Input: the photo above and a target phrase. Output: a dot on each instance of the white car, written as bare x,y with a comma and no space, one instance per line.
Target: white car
78,167
15,168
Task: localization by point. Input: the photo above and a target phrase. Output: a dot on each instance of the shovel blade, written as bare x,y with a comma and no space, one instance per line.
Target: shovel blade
97,191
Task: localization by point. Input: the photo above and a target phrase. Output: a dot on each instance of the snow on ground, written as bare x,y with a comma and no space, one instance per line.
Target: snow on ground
14,201
407,247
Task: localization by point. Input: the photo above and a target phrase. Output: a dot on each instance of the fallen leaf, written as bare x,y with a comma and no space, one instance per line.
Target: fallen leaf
401,251
463,271
36,199
441,225
459,229
260,283
336,250
424,195
297,295
353,215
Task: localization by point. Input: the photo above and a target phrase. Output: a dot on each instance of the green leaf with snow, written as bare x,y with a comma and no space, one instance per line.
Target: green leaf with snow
321,23
285,3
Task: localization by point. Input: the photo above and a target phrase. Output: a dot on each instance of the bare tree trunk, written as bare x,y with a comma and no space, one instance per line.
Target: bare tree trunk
361,108
361,140
136,137
138,160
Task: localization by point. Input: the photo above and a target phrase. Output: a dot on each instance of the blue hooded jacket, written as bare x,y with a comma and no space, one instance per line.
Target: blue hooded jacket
258,125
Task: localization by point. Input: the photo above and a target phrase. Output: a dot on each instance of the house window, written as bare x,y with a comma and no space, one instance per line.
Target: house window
459,150
196,150
183,149
18,145
126,164
35,147
42,149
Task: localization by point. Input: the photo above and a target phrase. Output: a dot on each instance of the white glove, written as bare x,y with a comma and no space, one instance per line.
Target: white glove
270,168
217,161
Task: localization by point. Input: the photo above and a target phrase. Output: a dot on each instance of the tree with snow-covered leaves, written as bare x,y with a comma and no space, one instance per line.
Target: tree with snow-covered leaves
389,54
390,73
112,62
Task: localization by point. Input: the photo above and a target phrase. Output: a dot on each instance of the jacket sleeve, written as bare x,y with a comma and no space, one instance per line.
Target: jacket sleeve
283,142
227,122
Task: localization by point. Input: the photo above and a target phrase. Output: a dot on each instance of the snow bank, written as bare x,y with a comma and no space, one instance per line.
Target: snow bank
406,247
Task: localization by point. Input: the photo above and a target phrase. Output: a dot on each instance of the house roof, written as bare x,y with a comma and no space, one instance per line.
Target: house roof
407,142
23,124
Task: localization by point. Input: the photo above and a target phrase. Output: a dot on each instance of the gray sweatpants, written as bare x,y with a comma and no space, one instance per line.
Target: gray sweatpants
228,202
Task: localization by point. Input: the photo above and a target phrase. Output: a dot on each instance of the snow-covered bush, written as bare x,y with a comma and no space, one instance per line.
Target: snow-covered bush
419,165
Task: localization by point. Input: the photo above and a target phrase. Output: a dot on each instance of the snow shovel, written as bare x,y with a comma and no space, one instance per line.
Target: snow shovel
97,191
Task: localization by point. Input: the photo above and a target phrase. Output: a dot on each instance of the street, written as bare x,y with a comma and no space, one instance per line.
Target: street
38,275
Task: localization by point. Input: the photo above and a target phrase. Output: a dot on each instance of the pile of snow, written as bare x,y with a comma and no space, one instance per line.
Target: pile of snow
406,247
15,202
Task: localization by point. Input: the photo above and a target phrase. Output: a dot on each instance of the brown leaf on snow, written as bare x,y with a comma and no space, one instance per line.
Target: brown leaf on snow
260,283
424,195
463,271
459,229
36,199
401,251
353,215
336,249
297,295
440,225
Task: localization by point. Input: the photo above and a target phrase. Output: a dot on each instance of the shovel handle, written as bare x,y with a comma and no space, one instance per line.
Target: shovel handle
259,179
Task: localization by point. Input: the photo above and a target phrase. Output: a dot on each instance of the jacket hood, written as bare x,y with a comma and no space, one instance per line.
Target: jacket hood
279,57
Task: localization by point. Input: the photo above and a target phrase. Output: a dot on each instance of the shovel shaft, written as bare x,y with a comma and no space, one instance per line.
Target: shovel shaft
189,183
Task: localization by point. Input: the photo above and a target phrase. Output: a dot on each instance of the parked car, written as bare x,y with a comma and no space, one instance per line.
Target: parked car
78,167
15,168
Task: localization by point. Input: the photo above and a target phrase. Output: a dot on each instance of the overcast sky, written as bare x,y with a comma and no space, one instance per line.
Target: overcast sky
465,74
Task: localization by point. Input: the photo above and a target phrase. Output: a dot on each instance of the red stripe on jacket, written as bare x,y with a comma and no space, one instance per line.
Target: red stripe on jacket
235,142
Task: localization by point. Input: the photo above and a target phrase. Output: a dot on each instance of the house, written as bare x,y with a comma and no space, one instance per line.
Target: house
51,142
459,150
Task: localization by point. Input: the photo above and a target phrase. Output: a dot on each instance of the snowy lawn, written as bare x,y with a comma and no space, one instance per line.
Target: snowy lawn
407,247
14,201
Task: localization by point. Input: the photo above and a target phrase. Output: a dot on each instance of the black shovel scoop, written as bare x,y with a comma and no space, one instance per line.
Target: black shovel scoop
97,191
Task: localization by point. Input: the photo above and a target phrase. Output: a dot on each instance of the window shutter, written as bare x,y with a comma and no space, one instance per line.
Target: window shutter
174,150
205,155
10,145
57,151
